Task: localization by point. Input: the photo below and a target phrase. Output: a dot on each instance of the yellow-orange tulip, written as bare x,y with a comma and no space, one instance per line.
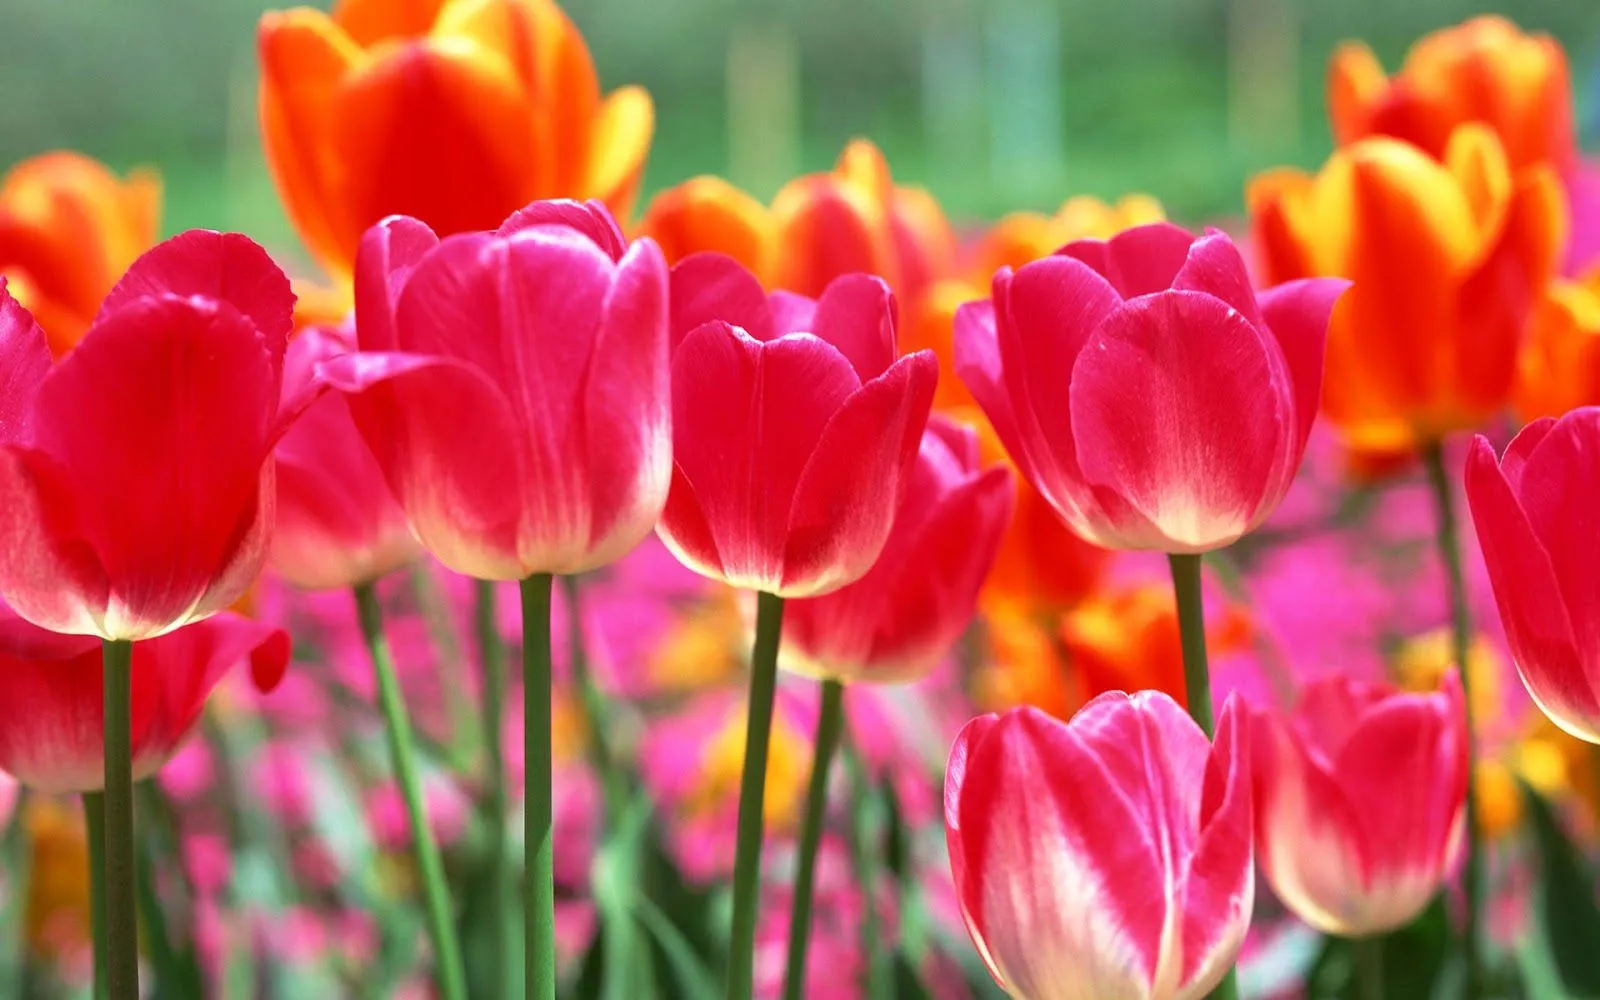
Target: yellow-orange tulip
852,218
1449,258
69,227
1485,70
1559,369
457,112
1026,236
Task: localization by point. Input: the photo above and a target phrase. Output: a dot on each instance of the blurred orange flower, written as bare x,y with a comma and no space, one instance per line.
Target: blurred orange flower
458,112
1484,70
852,218
1449,258
69,227
1559,369
1026,236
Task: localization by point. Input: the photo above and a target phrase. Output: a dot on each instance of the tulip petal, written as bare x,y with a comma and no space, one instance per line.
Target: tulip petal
1558,479
24,360
618,147
1531,604
1521,448
1137,261
389,252
1219,887
47,572
592,219
1156,417
845,500
708,214
978,365
708,287
1215,268
857,314
372,21
793,313
955,776
451,450
1297,314
827,228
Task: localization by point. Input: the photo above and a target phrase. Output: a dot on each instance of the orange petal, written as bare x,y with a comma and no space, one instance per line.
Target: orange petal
305,59
929,324
1012,242
618,148
826,228
709,214
1559,367
1476,159
320,305
862,163
1356,82
567,86
370,21
924,243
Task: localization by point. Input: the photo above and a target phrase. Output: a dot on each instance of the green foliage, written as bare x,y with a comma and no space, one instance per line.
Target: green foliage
1568,917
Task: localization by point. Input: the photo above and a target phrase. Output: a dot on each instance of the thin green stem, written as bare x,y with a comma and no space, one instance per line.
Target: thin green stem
541,925
830,722
752,796
448,969
122,921
492,654
176,970
17,848
1197,677
592,702
1460,647
94,821
863,859
1369,967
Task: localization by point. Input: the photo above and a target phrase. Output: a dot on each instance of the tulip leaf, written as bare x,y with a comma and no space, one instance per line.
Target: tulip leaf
908,984
1416,959
1566,904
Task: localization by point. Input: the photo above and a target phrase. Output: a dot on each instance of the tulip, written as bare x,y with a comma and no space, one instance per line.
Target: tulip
1532,513
791,450
136,475
338,524
1448,257
457,112
69,227
1360,799
820,227
1143,389
1109,856
896,622
1023,237
1559,367
1484,70
513,387
51,708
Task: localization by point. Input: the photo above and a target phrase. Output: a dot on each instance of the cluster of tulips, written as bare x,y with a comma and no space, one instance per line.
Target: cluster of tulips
873,432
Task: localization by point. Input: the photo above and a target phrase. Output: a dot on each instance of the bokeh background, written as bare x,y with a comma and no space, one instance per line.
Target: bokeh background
993,104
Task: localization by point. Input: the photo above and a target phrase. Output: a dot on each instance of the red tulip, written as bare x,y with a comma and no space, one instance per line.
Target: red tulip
513,387
51,702
1143,389
1360,801
1534,511
791,450
338,524
136,477
899,620
1108,856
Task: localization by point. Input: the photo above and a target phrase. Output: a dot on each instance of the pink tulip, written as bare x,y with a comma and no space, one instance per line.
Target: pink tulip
1109,856
338,524
136,478
1144,390
513,387
791,450
1535,515
52,701
898,621
1360,801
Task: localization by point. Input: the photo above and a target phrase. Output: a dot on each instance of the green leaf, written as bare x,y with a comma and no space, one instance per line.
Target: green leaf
1566,900
690,975
1418,960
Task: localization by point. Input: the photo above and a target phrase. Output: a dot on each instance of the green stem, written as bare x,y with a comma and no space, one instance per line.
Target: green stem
94,820
830,721
448,969
592,702
863,830
176,969
541,926
18,850
492,654
1369,967
122,921
752,796
1460,647
1196,676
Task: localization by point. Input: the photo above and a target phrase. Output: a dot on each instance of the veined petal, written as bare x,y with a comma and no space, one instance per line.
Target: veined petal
389,252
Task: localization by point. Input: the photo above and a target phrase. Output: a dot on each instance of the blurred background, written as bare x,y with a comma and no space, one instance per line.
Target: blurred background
993,104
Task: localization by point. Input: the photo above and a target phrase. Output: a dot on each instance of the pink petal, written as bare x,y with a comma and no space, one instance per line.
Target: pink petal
1219,888
1214,267
857,314
1560,478
225,267
47,572
591,218
384,261
1297,313
709,287
448,445
968,887
1157,417
24,360
845,499
1521,448
978,364
791,313
1137,261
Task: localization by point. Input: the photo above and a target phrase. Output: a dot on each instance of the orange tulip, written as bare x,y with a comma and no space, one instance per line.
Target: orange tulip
1026,236
852,218
69,227
1449,258
457,112
1485,70
1559,369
